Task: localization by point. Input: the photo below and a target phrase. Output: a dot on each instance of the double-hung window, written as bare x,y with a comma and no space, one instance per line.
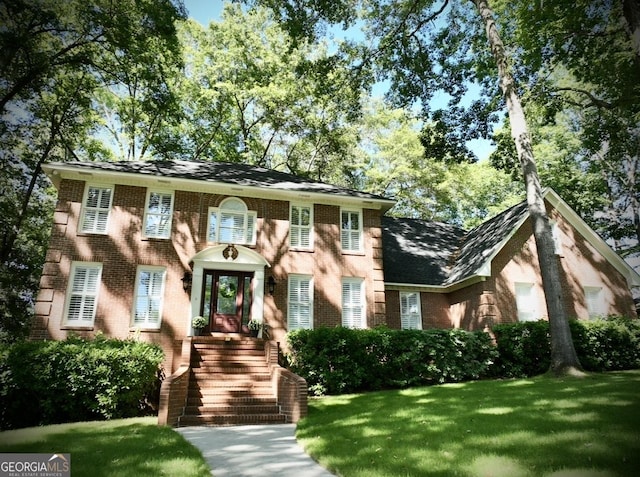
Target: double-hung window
300,314
96,205
147,311
410,313
158,214
526,302
301,226
353,303
351,230
557,238
594,301
232,223
82,293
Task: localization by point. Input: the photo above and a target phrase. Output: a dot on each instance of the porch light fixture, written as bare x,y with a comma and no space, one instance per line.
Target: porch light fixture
187,280
271,285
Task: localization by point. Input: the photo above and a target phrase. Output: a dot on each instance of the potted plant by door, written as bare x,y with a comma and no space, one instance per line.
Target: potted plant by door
254,327
198,324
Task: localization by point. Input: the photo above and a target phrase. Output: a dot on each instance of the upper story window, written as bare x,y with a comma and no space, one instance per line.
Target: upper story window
526,302
158,213
353,303
410,312
96,205
82,293
232,223
557,239
594,301
147,311
351,230
301,226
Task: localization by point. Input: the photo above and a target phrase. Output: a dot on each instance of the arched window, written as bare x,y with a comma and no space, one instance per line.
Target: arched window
232,223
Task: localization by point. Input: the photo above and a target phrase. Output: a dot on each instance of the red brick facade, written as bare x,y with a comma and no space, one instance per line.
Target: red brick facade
478,303
124,248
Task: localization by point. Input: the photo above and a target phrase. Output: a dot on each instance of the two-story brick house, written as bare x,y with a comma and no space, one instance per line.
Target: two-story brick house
140,248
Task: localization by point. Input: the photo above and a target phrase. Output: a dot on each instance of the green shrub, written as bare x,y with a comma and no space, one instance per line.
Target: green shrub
341,360
606,344
523,349
47,382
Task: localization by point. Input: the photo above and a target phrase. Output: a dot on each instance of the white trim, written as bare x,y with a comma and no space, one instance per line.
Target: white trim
417,313
301,205
359,231
148,324
247,261
309,279
146,213
83,211
69,293
363,300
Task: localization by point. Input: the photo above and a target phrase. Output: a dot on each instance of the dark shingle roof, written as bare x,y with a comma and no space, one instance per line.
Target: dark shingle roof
417,251
484,241
223,172
437,254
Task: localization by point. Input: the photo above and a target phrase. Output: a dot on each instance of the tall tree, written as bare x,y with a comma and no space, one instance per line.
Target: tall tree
54,56
248,94
393,160
424,46
582,76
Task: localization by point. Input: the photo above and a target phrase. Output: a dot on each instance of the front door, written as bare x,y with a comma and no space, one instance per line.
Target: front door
226,300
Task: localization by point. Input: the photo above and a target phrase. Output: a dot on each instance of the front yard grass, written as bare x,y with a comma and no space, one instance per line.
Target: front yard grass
543,426
123,447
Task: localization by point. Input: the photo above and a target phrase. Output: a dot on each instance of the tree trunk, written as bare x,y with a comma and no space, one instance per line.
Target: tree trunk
563,355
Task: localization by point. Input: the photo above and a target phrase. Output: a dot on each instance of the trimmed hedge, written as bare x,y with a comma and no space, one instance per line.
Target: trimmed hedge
606,344
47,382
343,360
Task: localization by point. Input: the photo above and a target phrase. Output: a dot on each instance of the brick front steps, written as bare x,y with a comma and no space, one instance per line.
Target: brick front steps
230,383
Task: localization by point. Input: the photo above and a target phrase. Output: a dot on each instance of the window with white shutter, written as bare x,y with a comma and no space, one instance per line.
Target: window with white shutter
82,293
594,301
158,214
95,211
353,303
232,223
300,314
410,312
301,226
351,230
147,311
526,302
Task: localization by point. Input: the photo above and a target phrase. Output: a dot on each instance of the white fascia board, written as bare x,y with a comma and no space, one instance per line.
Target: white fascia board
193,185
435,288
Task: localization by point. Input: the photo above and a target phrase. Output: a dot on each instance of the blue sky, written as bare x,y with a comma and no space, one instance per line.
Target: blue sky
205,11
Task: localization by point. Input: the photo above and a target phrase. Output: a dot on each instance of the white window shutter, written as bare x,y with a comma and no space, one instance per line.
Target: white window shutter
300,302
96,209
83,294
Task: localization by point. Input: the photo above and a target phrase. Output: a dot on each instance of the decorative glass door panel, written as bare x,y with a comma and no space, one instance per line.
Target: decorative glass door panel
226,298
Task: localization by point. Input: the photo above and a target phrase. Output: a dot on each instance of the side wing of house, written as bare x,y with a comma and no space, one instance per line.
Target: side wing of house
136,251
492,274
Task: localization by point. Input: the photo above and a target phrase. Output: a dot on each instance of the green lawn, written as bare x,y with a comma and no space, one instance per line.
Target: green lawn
514,428
122,448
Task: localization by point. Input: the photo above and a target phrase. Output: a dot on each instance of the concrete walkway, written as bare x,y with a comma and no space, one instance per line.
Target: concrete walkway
261,450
